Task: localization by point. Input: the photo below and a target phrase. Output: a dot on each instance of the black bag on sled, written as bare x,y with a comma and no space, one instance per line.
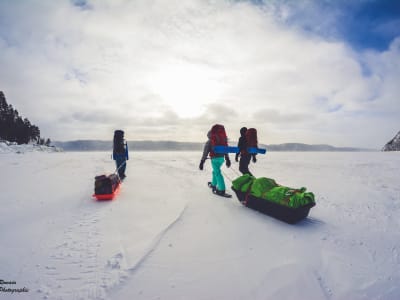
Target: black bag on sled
106,184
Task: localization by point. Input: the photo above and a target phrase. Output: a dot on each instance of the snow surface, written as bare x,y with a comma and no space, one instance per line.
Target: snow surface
167,236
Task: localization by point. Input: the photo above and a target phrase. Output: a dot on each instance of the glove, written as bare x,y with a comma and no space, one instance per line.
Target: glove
201,166
228,163
237,157
254,159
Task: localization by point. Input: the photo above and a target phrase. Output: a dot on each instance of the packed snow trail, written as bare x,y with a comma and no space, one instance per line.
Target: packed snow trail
248,255
244,264
81,248
277,257
167,236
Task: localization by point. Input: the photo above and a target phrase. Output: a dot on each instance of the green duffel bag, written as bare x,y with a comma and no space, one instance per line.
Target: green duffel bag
289,197
243,183
262,185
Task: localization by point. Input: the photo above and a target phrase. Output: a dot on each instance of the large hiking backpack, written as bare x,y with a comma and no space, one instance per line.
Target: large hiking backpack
218,137
118,147
251,137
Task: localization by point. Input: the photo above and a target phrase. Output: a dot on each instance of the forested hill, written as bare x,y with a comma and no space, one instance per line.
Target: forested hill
15,128
99,145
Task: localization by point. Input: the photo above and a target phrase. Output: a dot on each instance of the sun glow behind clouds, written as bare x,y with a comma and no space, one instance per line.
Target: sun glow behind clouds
187,88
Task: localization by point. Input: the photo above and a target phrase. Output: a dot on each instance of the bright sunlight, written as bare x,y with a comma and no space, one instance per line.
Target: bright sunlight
187,88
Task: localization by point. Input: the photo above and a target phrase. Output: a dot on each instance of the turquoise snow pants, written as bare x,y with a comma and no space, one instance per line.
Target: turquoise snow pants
217,178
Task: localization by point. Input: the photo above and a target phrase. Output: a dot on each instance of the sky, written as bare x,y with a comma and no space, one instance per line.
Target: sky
311,71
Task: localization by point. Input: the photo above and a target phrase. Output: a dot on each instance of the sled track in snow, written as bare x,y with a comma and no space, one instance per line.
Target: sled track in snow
156,242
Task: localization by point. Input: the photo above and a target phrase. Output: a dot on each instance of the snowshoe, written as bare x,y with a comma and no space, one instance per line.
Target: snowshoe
222,193
211,186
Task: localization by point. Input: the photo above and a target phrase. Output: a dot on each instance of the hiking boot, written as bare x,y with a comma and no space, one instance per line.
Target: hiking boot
213,187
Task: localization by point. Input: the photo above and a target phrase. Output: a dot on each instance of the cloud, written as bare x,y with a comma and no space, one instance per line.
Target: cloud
170,69
82,4
280,117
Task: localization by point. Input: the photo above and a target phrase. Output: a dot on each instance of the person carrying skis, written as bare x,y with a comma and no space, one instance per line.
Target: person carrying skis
120,152
245,156
216,136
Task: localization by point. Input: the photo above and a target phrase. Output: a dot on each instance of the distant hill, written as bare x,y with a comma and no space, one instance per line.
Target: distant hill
307,147
98,145
393,144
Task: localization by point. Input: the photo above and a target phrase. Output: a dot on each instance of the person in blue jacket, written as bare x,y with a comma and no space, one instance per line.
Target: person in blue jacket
120,152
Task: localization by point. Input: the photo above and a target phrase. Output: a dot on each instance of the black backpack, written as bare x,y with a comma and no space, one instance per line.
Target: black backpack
105,184
118,147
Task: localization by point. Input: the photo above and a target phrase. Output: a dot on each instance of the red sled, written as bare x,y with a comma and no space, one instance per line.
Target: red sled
106,187
102,197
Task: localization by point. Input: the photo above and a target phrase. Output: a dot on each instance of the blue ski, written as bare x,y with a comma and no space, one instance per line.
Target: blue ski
254,150
233,149
226,149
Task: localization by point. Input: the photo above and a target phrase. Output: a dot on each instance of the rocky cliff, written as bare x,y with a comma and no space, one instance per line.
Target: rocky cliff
394,144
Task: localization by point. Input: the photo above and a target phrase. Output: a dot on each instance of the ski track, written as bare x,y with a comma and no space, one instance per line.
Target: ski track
77,253
323,285
156,242
131,270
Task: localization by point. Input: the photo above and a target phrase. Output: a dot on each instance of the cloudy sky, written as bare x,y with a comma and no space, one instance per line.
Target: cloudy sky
312,71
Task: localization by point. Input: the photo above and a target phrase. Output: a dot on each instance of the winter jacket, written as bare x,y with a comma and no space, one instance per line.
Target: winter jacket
124,155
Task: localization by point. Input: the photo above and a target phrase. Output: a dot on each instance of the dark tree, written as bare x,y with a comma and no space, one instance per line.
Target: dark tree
13,128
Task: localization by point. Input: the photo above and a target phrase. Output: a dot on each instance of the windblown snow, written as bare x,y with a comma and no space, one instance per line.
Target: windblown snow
166,236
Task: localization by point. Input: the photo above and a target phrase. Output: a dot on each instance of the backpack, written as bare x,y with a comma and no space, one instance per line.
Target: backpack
251,138
118,146
218,137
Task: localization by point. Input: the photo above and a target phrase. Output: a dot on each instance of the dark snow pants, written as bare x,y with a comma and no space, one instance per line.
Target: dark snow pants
244,164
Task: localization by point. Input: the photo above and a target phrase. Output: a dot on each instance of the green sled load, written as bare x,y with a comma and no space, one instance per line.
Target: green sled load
265,195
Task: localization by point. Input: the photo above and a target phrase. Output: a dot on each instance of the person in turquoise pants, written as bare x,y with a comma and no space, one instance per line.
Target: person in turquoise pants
217,160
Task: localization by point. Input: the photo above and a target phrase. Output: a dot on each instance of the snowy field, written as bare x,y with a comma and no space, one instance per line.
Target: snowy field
166,236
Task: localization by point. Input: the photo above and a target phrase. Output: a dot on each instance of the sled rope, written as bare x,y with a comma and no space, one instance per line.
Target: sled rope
116,170
226,175
236,172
